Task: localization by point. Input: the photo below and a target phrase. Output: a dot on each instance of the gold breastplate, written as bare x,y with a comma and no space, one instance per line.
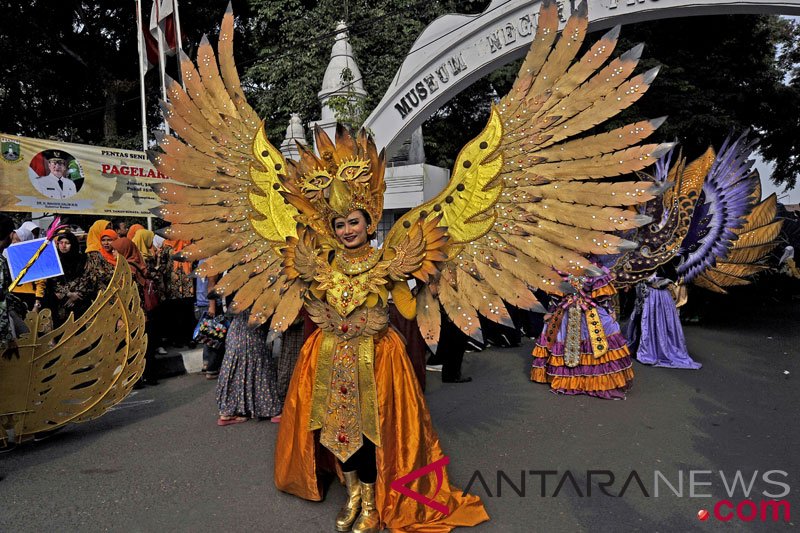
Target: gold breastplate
348,292
349,278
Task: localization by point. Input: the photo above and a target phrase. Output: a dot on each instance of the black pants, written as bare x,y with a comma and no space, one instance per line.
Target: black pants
150,369
500,335
178,313
450,353
363,462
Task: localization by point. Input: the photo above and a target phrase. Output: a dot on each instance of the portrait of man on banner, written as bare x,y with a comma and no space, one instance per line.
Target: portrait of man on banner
55,174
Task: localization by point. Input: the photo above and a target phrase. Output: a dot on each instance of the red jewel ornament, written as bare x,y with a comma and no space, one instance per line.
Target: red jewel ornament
342,437
344,328
343,389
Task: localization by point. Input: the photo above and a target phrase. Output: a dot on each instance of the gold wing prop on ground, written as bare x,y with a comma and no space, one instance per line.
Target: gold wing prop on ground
228,201
78,371
754,241
525,198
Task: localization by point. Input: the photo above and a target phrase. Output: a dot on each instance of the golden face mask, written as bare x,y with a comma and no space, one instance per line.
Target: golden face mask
317,181
357,171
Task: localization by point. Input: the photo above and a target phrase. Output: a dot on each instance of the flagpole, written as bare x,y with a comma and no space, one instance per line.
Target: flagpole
179,37
142,69
161,65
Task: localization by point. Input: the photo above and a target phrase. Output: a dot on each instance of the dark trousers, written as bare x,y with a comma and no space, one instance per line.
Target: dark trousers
212,358
178,314
363,462
150,363
499,335
527,322
450,353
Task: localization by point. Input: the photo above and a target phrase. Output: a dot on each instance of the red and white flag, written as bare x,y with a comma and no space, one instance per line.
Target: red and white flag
148,46
160,38
163,14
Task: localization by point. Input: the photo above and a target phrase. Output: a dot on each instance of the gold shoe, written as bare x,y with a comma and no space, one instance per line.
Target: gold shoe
349,513
368,521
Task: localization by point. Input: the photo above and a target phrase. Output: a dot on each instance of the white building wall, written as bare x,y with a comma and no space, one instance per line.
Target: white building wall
408,186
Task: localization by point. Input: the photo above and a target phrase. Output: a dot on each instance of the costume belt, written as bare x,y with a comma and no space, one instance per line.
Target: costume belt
344,403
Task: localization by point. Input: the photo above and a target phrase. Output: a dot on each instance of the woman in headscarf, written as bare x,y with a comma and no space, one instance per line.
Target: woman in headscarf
180,283
93,237
32,227
31,294
100,263
133,230
8,335
68,293
143,239
178,292
127,249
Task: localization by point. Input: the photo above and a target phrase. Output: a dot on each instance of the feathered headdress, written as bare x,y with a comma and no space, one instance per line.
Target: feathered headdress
345,177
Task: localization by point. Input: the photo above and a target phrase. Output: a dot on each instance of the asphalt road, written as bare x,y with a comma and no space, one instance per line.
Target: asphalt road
159,462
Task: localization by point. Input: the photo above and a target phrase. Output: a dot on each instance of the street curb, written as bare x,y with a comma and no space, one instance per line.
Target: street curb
192,360
177,363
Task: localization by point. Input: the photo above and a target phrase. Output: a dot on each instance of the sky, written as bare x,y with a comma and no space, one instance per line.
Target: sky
765,170
767,187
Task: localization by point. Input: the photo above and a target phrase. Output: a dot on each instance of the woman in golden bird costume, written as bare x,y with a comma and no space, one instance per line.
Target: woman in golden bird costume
526,200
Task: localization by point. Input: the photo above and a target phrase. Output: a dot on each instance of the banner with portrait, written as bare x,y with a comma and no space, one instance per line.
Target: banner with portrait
54,177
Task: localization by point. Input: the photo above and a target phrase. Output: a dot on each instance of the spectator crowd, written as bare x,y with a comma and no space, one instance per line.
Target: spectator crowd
252,373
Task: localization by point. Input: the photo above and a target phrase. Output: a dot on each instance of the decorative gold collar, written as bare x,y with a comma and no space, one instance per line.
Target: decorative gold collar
355,261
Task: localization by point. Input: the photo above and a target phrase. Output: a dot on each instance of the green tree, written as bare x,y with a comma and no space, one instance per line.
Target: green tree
295,38
720,75
349,108
62,67
463,117
71,72
784,137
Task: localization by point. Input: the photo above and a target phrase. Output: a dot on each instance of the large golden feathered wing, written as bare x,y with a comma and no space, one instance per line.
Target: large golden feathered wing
527,196
227,199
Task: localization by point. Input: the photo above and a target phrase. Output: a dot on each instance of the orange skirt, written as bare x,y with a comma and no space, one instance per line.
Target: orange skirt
409,442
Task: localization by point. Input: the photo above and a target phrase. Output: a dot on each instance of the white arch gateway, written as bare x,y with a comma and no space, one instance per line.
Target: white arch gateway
456,50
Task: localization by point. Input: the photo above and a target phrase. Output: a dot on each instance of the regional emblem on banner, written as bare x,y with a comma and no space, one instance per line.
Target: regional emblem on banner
10,150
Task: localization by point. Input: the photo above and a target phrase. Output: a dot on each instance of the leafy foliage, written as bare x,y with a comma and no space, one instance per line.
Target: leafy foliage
784,137
295,39
71,71
719,74
349,108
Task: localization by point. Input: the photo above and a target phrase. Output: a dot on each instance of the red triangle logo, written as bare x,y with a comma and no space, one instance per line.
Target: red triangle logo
438,467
